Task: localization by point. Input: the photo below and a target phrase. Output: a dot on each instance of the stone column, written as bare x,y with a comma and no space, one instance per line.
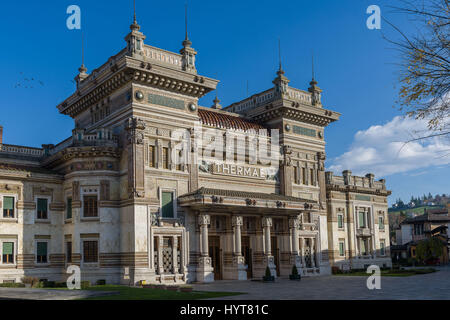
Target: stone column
160,255
303,253
268,258
174,255
238,259
294,224
204,268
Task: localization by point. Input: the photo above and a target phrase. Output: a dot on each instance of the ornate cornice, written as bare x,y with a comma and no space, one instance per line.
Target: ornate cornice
356,189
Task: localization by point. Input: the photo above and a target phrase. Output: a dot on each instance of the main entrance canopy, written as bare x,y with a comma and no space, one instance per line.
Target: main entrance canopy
206,199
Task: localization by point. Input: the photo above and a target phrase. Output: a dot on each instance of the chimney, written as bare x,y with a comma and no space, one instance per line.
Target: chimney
1,135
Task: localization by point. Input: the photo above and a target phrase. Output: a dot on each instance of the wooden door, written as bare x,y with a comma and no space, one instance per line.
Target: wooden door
247,252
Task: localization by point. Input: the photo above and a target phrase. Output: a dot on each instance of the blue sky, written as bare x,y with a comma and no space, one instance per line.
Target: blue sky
236,42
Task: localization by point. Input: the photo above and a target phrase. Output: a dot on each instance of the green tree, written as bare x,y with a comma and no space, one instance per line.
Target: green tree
429,249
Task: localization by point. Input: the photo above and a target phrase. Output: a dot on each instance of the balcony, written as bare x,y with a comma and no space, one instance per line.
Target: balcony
363,232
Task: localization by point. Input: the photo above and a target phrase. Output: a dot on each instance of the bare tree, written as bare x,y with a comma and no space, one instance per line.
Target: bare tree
425,68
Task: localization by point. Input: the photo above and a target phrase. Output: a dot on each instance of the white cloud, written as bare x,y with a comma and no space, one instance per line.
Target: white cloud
381,149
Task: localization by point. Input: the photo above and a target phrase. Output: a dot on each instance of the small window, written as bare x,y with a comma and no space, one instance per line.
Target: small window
90,206
90,251
381,223
341,248
42,209
304,175
167,204
165,157
69,208
340,221
151,156
8,252
41,252
311,177
69,251
8,207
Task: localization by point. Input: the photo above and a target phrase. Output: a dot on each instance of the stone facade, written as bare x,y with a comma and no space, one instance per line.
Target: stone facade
112,199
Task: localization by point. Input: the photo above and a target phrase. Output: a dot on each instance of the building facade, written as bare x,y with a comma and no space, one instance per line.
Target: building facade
136,193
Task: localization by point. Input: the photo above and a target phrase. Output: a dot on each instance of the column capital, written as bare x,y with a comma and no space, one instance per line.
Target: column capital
267,222
204,219
295,221
236,221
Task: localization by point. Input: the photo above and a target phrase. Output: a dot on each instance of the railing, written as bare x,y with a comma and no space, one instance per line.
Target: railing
298,94
363,232
164,56
28,151
61,146
253,101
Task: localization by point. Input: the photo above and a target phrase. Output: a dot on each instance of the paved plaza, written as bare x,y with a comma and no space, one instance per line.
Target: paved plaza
423,287
47,294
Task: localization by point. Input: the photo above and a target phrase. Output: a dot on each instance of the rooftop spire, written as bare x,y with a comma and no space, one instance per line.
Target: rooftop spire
135,25
280,68
82,69
313,81
186,43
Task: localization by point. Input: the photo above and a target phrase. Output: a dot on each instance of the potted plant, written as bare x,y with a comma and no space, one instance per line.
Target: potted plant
295,275
268,276
29,281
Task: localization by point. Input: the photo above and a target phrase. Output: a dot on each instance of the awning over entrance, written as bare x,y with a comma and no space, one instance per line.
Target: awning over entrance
254,202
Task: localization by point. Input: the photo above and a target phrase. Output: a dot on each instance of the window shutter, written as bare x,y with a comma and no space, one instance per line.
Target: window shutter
167,204
42,205
42,248
7,248
8,203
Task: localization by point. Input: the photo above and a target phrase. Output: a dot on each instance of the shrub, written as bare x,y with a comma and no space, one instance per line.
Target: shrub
268,273
101,282
294,270
48,284
336,270
85,285
12,285
61,284
29,280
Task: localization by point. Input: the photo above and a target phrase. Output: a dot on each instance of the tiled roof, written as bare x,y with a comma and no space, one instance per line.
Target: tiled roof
244,194
221,119
24,168
428,217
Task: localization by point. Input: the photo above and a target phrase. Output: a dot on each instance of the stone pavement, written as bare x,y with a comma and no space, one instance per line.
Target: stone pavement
423,287
48,294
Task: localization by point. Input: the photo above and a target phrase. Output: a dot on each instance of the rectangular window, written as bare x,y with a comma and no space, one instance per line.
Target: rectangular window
151,156
361,220
69,251
311,177
69,208
380,223
90,206
382,248
41,252
340,221
295,175
341,249
8,252
42,207
165,157
304,175
167,204
8,207
90,251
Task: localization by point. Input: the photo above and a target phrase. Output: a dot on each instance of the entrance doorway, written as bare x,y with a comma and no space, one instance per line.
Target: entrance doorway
275,253
247,252
215,253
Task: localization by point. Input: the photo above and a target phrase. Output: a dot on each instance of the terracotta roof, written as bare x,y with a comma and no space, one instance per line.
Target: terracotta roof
227,121
244,194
